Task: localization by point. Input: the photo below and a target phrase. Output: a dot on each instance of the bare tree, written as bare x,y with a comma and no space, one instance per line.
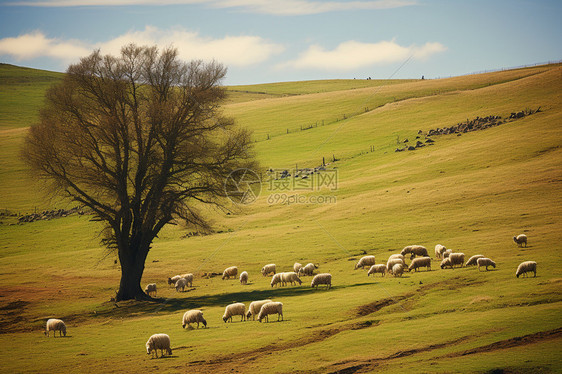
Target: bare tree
138,139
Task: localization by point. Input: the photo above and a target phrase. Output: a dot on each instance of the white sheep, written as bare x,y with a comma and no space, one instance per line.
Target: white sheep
415,250
308,269
189,278
484,261
379,268
180,284
276,279
55,325
158,341
446,263
420,262
526,267
244,277
230,272
473,260
397,270
396,255
391,262
291,277
439,249
150,288
236,309
456,259
297,267
267,269
447,253
365,261
323,278
274,307
172,281
255,307
520,239
193,316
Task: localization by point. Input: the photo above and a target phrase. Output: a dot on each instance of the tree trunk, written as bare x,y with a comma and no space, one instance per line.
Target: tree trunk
132,268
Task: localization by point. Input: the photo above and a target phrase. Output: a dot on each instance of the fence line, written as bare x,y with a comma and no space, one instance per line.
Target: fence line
504,69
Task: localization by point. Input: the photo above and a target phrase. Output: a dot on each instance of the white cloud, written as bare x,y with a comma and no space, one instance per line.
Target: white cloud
230,50
281,7
353,55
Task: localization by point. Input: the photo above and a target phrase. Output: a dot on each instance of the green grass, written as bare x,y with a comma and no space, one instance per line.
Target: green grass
471,193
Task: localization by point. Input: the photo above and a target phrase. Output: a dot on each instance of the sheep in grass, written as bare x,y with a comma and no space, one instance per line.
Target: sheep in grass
158,341
365,261
391,262
484,261
230,272
520,239
380,268
396,255
254,308
456,259
419,263
236,309
324,278
439,249
447,253
276,279
244,277
274,307
446,263
268,269
193,316
172,281
290,277
308,269
180,284
150,288
55,325
297,267
526,267
189,278
397,270
414,250
473,260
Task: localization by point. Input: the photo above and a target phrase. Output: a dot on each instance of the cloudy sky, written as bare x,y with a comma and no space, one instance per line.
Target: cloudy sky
285,40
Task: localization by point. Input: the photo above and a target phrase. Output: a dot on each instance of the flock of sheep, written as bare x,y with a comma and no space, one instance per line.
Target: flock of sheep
395,266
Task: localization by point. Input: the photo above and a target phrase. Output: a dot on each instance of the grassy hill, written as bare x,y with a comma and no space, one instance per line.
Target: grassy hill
471,193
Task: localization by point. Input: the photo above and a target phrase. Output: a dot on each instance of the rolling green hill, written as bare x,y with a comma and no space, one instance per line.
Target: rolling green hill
471,192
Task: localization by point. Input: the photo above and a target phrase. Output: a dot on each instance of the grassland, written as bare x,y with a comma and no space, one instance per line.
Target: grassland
471,193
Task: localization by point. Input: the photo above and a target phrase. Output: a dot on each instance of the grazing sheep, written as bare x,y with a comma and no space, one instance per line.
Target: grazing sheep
254,308
267,269
520,239
55,325
526,267
189,278
308,269
456,259
391,262
473,260
230,272
291,277
415,250
365,261
439,249
150,288
380,268
447,253
420,262
485,262
276,279
234,310
193,316
446,262
244,277
181,283
158,341
324,278
398,270
172,281
396,255
274,307
297,267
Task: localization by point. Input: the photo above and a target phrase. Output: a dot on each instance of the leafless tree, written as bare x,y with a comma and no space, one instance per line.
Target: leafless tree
140,140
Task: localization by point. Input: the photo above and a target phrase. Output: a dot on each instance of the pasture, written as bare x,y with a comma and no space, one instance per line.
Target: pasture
471,193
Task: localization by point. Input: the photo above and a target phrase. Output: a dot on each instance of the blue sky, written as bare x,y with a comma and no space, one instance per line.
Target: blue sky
286,40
